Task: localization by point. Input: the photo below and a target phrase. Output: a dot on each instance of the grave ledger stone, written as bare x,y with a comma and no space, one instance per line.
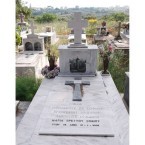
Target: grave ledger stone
78,59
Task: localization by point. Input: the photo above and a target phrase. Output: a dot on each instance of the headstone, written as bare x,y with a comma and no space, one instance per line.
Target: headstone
49,35
77,24
77,59
22,17
125,33
33,42
32,27
101,33
118,37
23,25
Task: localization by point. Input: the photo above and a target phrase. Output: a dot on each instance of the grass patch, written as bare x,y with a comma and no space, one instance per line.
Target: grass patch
26,88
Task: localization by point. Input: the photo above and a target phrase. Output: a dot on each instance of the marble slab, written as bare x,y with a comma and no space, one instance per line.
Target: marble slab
75,118
101,92
27,58
122,45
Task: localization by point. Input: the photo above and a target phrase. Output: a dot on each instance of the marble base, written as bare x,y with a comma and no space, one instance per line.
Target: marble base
89,54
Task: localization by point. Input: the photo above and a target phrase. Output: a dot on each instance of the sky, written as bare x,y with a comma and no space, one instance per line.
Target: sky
73,3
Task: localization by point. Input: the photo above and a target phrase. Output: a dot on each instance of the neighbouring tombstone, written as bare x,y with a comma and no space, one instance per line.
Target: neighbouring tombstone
24,29
32,59
118,37
101,34
77,58
125,33
49,35
22,23
33,42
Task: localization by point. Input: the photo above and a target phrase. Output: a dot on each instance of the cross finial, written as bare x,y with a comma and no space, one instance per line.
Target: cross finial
32,27
77,24
22,17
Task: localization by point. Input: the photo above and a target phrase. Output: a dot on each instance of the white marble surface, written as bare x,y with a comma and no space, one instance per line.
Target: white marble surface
27,131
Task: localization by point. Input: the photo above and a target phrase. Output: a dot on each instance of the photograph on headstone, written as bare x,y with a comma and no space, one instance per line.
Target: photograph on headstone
72,75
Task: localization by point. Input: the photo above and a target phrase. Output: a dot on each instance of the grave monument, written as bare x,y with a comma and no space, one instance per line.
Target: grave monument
49,35
33,42
101,33
22,24
78,59
32,59
76,107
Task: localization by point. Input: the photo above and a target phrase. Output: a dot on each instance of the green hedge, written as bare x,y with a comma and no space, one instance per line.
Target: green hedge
26,87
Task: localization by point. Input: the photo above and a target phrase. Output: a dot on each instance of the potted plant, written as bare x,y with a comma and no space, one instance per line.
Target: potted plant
52,70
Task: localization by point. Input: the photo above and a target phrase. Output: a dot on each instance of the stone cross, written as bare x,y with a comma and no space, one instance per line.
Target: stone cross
22,17
77,24
77,93
32,27
118,37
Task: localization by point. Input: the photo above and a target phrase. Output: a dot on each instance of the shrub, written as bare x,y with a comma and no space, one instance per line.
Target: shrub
46,18
26,87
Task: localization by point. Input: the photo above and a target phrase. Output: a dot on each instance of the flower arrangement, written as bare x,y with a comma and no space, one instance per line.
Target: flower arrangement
105,52
48,73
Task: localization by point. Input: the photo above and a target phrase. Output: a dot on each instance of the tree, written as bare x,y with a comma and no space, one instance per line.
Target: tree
21,8
119,17
46,18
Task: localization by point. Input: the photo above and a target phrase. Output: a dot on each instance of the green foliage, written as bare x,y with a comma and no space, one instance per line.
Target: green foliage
21,8
46,18
18,39
53,51
118,65
26,88
120,16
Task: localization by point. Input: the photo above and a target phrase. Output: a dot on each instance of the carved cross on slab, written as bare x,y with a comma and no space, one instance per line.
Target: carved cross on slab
77,24
77,93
